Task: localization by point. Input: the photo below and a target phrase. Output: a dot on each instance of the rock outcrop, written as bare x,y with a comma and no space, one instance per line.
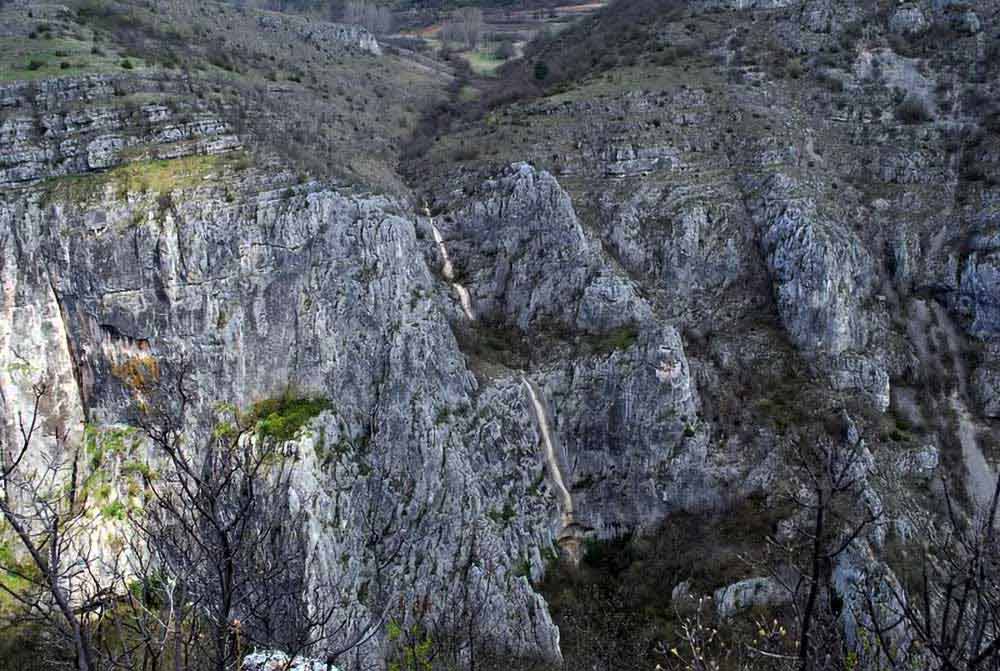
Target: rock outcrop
821,274
272,660
42,136
321,32
750,593
979,288
526,261
689,278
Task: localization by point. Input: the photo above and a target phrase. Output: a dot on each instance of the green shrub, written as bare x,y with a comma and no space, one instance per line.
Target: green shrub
794,68
114,511
281,419
502,517
618,340
127,64
541,71
35,64
464,154
506,50
913,110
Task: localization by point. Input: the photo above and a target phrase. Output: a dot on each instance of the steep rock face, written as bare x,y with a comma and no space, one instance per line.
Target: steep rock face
118,272
986,389
837,197
330,294
321,32
625,419
528,261
628,424
824,281
34,344
260,291
690,246
979,286
821,274
856,565
42,136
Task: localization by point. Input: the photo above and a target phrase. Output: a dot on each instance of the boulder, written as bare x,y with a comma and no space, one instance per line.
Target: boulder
967,22
986,390
908,21
750,593
273,660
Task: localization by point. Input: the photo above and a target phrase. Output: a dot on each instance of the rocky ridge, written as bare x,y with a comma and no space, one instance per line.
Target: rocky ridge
135,241
685,283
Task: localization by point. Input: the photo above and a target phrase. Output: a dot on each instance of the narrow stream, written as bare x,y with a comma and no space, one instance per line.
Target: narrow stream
550,452
448,270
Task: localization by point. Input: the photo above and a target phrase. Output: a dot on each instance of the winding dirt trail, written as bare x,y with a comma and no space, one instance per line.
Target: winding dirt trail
982,476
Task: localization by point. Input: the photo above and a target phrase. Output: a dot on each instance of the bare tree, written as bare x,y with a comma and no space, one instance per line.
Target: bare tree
833,514
211,558
222,532
703,646
465,28
471,19
953,609
374,17
219,525
42,505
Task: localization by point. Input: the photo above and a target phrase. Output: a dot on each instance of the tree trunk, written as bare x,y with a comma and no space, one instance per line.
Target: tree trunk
807,613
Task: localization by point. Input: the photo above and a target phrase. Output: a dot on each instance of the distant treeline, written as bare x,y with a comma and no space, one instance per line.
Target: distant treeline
337,9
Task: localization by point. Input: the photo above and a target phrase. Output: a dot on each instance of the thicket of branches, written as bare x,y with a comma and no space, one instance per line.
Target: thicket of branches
139,548
943,614
376,18
143,548
464,28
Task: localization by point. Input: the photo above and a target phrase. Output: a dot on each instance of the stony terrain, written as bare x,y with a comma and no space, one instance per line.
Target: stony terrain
575,318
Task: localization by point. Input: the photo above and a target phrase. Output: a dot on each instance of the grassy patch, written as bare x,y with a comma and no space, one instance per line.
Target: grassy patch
482,62
41,58
618,340
153,176
281,419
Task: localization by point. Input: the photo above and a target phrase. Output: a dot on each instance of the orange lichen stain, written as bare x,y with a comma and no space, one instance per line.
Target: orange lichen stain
139,372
